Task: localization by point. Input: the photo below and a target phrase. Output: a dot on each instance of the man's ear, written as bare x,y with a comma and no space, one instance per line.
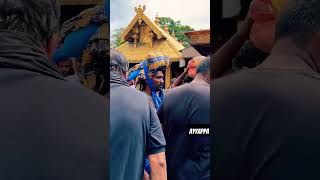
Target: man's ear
52,45
208,78
208,75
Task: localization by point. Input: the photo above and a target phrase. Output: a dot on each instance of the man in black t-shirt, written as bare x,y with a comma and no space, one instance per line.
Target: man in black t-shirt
188,157
135,129
267,119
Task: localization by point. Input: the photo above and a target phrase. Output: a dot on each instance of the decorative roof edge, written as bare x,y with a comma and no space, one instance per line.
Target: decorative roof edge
156,29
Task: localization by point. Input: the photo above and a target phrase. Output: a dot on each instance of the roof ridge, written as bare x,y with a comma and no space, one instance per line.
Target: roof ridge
157,29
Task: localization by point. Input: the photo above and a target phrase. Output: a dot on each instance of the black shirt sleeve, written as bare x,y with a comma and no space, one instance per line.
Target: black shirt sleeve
156,142
160,113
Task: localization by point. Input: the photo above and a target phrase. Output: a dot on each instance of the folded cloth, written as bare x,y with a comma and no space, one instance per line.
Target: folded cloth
155,61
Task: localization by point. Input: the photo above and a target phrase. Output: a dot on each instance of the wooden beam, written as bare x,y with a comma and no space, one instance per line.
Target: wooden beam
199,37
168,76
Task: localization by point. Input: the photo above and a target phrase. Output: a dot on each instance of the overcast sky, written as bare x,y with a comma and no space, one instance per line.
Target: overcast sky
195,13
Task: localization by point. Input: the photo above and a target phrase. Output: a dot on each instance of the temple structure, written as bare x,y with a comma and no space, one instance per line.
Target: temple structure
200,40
142,36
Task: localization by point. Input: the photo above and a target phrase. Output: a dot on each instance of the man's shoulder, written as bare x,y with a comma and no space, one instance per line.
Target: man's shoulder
69,93
187,89
117,88
121,92
69,87
183,87
263,77
243,79
263,85
59,99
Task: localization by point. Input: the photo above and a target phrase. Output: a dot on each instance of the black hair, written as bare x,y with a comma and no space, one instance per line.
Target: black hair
300,21
248,56
39,19
118,61
187,79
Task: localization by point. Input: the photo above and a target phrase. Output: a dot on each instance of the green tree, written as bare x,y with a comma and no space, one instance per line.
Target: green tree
116,40
176,28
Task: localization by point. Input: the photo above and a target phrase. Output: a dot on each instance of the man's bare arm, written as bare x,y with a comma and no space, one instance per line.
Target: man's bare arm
223,57
158,166
179,80
146,175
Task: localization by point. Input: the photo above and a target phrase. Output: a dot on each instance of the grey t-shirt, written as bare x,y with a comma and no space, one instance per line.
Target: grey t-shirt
135,131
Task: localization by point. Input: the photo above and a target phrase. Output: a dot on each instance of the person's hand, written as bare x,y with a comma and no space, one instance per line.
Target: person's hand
186,69
245,26
146,175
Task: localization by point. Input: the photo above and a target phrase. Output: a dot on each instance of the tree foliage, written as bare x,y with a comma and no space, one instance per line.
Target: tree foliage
116,40
176,28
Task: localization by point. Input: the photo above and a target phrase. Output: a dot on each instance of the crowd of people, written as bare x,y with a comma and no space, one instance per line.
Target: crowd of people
54,90
264,101
149,126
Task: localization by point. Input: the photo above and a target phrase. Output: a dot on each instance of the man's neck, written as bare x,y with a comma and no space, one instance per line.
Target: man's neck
200,79
287,55
147,90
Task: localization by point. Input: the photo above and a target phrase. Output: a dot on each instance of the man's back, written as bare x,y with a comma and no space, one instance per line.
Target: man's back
188,157
134,132
266,125
50,128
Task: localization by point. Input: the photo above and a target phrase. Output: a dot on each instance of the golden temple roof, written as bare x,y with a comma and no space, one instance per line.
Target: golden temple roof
139,29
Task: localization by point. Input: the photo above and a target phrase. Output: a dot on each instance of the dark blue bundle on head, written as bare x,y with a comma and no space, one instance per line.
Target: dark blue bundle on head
144,71
80,32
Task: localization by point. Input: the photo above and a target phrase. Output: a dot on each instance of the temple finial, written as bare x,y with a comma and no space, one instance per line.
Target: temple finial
173,34
140,9
157,19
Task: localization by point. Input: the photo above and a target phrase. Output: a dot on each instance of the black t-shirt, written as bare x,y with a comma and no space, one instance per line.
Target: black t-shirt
188,157
267,125
135,131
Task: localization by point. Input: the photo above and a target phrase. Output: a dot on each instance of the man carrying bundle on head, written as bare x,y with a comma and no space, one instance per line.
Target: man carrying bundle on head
85,37
149,76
